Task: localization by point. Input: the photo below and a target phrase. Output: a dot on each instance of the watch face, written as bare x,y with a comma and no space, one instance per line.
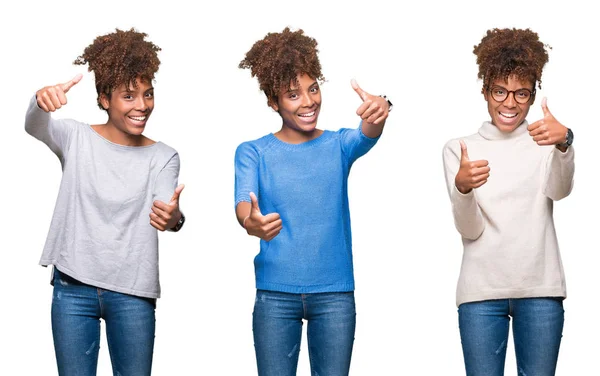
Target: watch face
569,139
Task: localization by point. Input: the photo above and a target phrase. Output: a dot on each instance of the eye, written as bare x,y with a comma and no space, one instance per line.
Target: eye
128,97
314,89
293,96
498,91
522,94
150,94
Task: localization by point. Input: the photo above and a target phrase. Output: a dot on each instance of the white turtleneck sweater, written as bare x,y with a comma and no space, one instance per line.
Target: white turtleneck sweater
510,244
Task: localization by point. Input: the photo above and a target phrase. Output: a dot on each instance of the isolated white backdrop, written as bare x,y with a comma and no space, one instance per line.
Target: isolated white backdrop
406,251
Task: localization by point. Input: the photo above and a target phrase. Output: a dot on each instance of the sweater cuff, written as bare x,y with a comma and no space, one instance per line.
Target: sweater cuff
364,136
462,197
35,110
567,156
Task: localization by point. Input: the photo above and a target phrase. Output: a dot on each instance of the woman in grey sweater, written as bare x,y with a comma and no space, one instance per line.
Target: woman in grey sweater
118,188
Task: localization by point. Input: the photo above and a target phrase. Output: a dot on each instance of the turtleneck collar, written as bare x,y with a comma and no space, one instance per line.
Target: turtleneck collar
490,132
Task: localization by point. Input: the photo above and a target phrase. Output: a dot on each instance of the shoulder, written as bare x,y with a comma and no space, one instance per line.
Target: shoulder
344,131
254,146
454,143
165,151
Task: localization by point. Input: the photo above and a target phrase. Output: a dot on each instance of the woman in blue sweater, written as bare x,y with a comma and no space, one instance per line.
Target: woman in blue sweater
291,192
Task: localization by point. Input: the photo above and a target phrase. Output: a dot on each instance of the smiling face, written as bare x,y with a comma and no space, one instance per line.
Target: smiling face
299,107
129,108
508,114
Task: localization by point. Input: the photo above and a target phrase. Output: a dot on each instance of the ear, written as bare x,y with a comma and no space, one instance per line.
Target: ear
485,94
104,101
273,104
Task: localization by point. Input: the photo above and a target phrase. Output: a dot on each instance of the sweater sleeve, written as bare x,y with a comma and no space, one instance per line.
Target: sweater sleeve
56,134
558,174
468,218
246,172
166,180
355,144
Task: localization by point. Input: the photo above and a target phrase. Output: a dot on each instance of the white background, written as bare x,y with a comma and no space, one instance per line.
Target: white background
406,251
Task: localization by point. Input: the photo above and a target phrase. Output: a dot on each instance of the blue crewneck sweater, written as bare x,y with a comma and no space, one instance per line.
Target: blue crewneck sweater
307,184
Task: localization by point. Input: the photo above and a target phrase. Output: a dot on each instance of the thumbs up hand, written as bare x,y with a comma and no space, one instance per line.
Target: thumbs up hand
265,227
51,98
548,130
471,174
374,109
165,216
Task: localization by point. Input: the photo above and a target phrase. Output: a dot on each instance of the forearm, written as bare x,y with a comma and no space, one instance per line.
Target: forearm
36,121
242,211
468,217
372,130
560,169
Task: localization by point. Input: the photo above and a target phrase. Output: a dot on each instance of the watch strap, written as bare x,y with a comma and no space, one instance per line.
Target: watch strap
179,224
388,101
568,139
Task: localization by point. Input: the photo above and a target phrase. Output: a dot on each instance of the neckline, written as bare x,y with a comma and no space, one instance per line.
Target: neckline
490,132
109,142
303,145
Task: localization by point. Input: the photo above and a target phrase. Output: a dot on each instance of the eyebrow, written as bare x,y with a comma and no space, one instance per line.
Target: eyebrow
521,88
127,90
289,90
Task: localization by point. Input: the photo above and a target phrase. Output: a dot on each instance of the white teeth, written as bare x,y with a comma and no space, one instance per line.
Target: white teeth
307,115
138,118
508,115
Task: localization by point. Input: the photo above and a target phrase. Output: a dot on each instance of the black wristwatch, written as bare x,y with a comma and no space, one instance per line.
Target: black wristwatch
569,140
389,102
179,224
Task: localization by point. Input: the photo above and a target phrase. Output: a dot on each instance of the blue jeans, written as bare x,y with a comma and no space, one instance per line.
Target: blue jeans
537,331
76,312
277,327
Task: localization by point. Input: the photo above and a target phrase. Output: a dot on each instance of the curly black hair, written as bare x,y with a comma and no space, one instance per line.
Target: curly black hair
511,52
278,58
120,58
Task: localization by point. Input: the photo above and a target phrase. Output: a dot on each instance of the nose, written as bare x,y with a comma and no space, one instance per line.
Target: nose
307,100
141,104
510,101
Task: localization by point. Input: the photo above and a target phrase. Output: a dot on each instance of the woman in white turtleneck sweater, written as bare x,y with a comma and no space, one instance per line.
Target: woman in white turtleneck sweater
502,183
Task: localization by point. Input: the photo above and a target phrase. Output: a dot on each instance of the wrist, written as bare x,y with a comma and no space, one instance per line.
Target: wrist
562,148
179,223
390,105
462,190
568,141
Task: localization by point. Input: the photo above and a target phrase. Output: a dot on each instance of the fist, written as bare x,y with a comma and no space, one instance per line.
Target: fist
471,174
548,130
51,98
374,109
265,227
165,216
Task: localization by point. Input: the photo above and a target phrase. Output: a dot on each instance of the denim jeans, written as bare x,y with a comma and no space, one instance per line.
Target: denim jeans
537,331
76,312
277,327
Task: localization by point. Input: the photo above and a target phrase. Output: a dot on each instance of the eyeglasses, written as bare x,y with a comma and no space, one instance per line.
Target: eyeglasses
522,96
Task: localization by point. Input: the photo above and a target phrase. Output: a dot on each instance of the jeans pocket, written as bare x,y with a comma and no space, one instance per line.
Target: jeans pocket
61,279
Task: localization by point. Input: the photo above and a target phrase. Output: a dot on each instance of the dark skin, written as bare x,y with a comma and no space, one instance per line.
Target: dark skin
305,98
547,131
163,215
